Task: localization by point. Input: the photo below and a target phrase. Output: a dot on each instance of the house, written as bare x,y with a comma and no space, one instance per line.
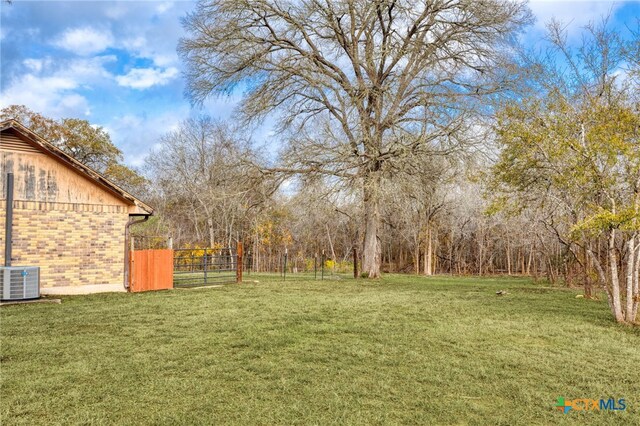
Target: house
67,219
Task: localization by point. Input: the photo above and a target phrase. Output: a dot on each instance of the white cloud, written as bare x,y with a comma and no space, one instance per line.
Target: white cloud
34,65
116,11
49,65
575,14
75,102
164,59
160,54
85,40
52,96
163,7
137,134
50,86
143,78
134,43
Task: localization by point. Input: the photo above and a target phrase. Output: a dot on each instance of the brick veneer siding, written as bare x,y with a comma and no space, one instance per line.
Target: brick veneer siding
74,244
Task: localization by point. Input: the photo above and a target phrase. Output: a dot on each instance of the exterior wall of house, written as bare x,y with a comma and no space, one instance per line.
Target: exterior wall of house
63,222
73,244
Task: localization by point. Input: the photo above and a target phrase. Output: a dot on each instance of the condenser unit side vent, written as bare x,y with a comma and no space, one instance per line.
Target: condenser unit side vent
19,282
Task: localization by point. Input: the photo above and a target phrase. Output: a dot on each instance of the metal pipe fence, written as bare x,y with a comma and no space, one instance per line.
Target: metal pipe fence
199,267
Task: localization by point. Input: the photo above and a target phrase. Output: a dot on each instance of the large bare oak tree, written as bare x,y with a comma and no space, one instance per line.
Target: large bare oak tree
364,88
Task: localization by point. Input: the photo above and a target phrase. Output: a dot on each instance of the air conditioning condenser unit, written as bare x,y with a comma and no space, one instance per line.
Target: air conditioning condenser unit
19,283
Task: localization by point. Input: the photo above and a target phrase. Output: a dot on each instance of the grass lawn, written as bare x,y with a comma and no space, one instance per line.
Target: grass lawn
403,350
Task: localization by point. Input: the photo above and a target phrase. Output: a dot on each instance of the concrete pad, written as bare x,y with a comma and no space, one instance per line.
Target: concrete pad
83,289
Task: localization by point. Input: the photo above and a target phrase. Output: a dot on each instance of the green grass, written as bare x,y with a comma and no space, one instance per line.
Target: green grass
403,350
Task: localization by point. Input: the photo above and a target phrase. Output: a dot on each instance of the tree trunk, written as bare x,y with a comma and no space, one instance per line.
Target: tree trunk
434,248
636,282
588,288
631,255
550,270
428,255
333,252
601,276
451,256
479,257
631,296
372,249
416,256
616,303
256,255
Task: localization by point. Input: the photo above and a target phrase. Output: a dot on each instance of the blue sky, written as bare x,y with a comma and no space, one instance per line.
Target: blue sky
115,63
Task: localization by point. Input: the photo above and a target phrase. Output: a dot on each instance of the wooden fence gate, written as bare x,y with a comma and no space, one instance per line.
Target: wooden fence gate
150,270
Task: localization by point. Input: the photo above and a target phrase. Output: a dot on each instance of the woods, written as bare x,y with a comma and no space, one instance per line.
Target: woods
363,90
574,154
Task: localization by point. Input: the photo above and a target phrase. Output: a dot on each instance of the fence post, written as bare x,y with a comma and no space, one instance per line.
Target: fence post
239,263
286,255
355,263
204,264
322,266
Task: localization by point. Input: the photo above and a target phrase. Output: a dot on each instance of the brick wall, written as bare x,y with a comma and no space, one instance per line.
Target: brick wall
74,244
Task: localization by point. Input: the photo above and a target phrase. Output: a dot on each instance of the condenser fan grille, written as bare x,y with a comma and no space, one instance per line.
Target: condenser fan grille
19,282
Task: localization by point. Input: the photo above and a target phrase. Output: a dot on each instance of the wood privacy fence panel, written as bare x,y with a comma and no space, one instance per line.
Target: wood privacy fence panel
151,270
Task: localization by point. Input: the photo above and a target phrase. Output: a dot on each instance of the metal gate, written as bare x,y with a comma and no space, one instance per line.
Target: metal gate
201,267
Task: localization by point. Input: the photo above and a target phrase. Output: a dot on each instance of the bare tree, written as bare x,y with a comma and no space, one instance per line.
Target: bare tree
381,82
200,178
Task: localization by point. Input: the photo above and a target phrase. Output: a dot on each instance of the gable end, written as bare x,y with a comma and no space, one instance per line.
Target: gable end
10,142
